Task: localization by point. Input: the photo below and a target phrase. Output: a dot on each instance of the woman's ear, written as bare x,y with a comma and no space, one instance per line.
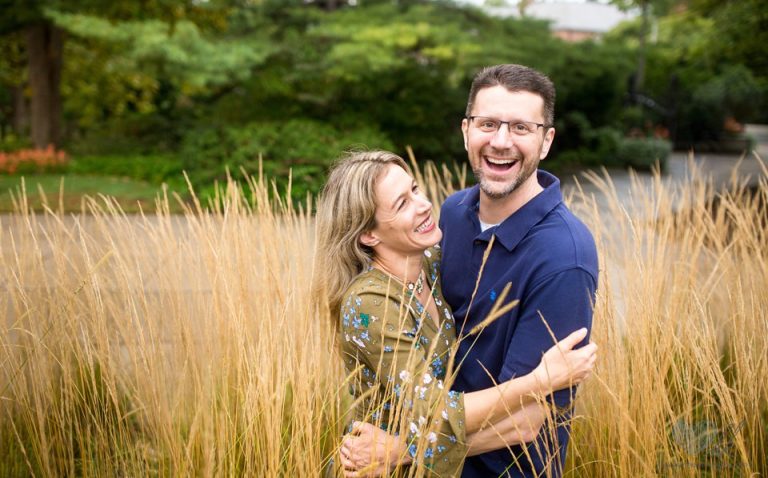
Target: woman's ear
368,239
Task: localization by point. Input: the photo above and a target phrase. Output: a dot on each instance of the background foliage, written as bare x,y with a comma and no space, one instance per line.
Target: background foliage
218,84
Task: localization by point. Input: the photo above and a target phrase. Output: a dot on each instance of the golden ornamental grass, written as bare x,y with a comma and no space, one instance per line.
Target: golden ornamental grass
189,345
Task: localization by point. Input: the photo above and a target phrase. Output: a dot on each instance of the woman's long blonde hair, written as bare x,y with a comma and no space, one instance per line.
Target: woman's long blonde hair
346,209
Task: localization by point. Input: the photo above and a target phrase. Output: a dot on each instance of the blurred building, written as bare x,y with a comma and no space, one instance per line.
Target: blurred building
570,20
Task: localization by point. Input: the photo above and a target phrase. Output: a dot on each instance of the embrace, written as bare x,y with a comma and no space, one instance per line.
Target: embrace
435,381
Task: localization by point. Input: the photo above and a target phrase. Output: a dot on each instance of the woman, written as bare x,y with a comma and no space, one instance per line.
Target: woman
379,271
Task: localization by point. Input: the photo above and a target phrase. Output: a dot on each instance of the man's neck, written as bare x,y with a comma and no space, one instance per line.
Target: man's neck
495,211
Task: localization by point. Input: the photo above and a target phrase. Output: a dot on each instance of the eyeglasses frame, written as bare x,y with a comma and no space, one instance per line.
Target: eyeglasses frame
509,124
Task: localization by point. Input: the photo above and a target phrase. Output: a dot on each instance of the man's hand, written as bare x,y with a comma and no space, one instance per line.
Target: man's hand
368,451
563,366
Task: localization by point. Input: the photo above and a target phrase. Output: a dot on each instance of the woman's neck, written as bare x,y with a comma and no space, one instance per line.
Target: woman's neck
405,268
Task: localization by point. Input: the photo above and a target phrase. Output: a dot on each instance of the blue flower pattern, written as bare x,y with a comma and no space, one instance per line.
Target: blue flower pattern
376,334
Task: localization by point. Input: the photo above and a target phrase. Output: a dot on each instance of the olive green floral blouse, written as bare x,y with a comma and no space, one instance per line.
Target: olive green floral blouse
399,355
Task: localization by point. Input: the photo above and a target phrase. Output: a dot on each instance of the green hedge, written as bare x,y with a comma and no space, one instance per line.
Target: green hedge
643,153
305,147
153,168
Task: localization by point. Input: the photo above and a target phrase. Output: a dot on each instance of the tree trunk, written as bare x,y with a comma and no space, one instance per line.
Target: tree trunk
44,47
522,6
641,51
20,123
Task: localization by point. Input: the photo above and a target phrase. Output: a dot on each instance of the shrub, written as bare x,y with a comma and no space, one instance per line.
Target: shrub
307,147
134,134
589,145
11,142
735,93
33,161
643,153
153,168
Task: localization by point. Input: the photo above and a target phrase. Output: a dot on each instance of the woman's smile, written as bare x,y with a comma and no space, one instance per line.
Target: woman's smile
405,225
427,226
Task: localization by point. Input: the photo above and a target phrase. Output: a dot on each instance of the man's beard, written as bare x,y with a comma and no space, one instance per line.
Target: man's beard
527,168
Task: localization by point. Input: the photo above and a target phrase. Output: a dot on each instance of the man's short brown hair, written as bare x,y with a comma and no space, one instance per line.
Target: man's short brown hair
516,78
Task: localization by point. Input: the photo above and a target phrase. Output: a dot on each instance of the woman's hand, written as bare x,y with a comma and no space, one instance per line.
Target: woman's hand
562,366
369,451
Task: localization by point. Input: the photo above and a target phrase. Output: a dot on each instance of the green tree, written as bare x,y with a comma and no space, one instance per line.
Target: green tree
409,67
740,31
649,9
44,47
159,38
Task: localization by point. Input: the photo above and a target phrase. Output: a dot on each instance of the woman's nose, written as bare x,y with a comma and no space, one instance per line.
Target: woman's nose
424,203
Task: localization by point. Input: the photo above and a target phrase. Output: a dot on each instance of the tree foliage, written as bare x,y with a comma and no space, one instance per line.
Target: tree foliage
176,51
147,76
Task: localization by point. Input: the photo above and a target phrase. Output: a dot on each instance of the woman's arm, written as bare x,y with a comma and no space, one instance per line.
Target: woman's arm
495,417
384,451
522,426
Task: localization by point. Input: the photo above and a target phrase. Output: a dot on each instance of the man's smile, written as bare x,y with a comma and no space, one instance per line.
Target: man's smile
499,164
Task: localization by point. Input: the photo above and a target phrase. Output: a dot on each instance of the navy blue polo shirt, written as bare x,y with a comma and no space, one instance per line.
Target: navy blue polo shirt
549,258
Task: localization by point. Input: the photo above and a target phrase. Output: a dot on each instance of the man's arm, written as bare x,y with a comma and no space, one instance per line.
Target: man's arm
564,301
370,451
497,417
556,306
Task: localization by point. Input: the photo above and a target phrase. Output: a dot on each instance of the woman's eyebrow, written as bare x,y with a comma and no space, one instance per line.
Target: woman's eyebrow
399,196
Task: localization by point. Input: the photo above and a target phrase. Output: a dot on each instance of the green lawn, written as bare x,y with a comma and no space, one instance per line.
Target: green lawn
131,194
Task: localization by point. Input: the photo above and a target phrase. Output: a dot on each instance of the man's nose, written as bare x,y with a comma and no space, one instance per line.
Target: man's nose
502,138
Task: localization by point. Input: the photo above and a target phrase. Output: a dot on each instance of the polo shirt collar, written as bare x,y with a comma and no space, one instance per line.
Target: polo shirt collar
513,229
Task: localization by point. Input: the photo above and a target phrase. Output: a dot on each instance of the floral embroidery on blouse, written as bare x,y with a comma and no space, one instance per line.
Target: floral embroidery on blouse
400,355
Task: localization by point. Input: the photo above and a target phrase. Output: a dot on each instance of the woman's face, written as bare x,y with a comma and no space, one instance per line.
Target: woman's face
404,222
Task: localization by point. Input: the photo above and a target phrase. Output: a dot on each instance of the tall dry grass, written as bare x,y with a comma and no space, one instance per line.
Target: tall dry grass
682,381
186,345
164,345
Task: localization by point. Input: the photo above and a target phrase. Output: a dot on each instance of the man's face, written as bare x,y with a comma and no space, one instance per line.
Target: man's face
502,160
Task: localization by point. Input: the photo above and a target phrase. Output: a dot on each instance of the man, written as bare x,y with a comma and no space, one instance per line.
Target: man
539,247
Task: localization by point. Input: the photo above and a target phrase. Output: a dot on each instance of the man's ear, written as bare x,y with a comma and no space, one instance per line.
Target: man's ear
549,137
464,128
369,239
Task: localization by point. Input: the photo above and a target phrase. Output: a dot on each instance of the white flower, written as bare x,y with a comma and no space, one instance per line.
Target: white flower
444,414
405,376
421,392
432,437
427,378
428,253
414,429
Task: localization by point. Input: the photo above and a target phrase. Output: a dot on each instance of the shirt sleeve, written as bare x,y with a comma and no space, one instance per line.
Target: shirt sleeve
565,301
382,338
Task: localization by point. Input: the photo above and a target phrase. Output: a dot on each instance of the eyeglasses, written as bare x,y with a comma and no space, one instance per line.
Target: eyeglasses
491,125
